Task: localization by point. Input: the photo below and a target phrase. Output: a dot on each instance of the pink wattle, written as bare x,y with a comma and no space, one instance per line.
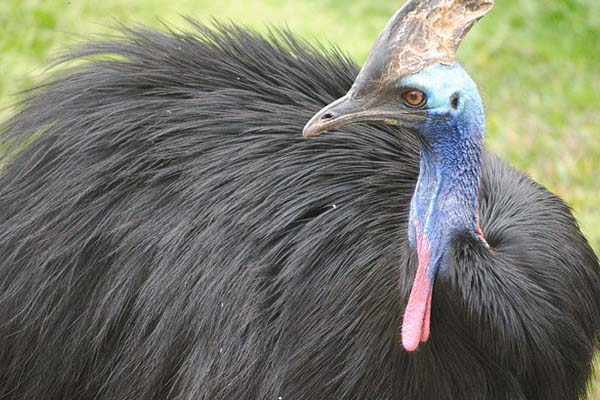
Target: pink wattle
417,316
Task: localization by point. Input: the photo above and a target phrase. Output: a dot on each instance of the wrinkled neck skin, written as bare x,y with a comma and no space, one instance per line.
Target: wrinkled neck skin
446,197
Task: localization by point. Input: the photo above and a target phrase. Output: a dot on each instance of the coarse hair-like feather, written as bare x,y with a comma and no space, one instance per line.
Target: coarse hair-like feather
167,233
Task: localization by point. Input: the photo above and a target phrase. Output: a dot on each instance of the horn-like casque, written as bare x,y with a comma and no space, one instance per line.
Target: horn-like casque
421,33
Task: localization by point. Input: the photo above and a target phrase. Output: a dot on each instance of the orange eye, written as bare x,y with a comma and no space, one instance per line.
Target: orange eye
414,98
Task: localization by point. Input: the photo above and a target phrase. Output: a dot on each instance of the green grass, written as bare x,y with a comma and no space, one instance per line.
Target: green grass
537,63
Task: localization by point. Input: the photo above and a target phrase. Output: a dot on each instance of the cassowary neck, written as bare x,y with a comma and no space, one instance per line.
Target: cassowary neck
445,202
446,197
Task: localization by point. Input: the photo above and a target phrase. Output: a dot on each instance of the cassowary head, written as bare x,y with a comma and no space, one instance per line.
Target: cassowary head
411,80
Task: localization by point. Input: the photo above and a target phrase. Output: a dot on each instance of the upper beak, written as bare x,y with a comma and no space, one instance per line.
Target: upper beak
345,111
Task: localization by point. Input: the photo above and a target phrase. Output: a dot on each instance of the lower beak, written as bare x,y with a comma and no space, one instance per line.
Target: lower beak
346,111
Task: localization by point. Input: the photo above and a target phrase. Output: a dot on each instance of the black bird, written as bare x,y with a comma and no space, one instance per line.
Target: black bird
167,233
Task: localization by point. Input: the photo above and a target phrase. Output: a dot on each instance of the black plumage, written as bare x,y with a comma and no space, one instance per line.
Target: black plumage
167,233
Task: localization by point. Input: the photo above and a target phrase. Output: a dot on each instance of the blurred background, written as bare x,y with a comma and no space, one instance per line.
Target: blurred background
537,63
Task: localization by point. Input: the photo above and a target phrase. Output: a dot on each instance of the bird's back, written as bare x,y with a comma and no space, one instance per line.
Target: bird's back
167,233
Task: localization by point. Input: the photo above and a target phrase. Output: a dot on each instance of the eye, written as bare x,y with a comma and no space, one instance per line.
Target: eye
414,98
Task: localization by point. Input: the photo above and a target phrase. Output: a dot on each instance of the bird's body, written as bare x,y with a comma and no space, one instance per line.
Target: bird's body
171,235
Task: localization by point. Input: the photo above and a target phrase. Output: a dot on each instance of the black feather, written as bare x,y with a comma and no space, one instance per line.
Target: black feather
167,233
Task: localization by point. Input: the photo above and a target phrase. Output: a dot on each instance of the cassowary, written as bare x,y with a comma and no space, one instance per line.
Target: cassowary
166,232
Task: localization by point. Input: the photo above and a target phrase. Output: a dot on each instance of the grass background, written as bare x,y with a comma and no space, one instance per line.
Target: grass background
537,63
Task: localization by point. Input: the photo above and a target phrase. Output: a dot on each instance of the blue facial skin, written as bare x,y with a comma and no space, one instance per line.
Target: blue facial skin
446,200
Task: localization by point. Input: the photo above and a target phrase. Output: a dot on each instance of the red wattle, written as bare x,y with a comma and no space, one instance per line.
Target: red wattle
427,320
417,316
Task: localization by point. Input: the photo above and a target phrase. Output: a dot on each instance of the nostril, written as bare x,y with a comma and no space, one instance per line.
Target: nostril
327,116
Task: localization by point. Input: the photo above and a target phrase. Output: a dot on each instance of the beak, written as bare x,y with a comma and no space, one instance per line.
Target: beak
347,110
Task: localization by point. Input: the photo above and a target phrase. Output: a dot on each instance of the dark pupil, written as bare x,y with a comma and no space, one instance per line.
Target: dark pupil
414,97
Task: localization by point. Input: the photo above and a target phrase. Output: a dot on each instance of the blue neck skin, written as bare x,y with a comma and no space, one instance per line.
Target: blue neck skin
446,198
